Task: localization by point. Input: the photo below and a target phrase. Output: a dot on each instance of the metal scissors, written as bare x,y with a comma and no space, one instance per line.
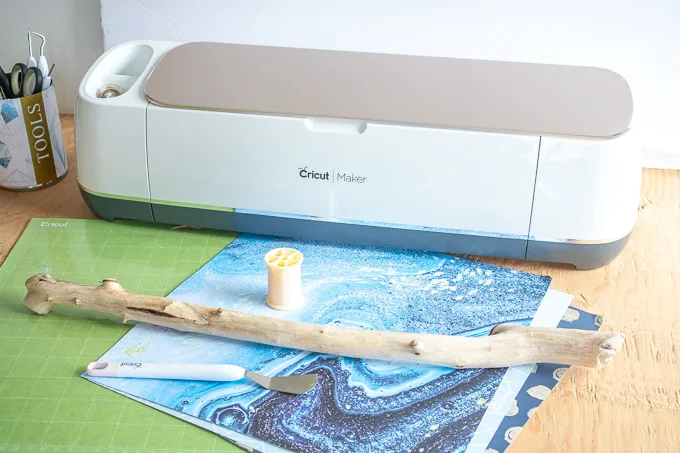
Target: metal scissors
24,81
5,92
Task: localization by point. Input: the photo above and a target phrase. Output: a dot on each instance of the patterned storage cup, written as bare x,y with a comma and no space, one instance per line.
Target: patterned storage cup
32,154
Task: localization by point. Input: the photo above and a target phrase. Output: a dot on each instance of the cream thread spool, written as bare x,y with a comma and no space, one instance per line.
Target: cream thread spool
284,278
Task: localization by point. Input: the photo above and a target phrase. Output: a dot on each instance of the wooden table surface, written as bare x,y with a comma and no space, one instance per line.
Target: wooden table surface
629,406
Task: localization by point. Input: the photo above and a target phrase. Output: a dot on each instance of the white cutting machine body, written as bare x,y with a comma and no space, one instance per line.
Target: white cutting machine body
516,160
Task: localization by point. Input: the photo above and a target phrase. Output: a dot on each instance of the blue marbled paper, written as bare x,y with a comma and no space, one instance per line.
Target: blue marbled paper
358,405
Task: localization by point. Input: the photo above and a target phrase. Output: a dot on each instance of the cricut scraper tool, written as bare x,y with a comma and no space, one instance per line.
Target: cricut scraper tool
296,384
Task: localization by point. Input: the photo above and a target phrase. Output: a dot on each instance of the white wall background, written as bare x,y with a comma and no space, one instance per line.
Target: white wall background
639,39
74,39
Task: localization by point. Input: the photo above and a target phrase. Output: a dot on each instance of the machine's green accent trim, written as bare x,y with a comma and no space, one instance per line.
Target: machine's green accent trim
115,197
163,202
191,205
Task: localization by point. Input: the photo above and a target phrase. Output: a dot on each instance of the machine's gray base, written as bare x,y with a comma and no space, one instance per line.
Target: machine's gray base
341,232
581,256
112,208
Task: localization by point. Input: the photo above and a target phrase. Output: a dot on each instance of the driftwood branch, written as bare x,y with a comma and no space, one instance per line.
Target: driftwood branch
508,345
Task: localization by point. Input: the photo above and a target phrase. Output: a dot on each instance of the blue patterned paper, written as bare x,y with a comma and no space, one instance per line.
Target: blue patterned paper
358,405
542,380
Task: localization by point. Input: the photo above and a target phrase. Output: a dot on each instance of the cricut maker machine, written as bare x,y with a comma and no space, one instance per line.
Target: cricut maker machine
517,160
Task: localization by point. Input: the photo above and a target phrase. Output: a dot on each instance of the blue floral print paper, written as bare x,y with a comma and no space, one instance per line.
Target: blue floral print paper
358,405
543,378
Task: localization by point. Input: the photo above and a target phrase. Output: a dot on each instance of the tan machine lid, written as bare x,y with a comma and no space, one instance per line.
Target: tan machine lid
451,93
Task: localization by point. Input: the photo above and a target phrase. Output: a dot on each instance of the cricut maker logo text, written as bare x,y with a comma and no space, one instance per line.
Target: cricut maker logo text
331,176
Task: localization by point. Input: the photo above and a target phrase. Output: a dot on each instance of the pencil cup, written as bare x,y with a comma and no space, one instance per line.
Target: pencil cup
284,278
32,154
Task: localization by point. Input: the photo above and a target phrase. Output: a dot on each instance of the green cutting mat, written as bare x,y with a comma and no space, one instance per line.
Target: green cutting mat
44,403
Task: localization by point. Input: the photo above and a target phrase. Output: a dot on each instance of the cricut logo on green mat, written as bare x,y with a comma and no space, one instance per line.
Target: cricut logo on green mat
330,176
54,224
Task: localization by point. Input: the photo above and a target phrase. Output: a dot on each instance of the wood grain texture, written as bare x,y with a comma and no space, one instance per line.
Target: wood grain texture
61,200
632,405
